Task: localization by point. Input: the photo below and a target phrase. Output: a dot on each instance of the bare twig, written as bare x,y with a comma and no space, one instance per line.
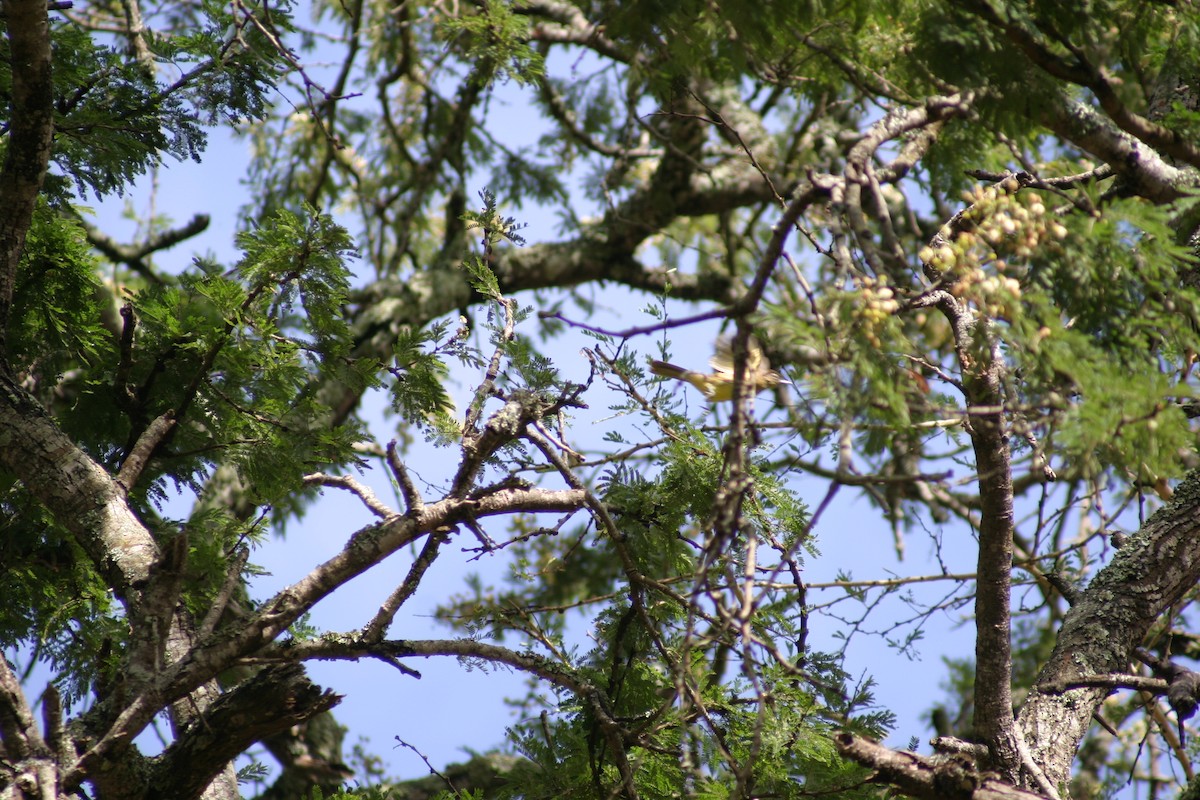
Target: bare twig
233,578
412,498
359,490
432,770
628,333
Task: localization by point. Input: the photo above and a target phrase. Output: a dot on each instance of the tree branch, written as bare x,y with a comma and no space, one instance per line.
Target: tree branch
275,699
134,255
29,141
1083,73
1143,171
982,366
928,778
18,733
144,448
359,490
365,548
78,491
1155,568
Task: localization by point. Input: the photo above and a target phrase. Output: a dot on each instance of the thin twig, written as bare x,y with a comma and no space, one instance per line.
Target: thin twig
412,498
361,491
233,576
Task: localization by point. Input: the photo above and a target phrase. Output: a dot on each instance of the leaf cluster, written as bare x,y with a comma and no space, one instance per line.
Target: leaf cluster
495,39
55,320
115,119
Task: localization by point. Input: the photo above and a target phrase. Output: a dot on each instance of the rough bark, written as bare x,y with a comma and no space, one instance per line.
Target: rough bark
993,649
1153,570
31,132
273,700
88,501
982,365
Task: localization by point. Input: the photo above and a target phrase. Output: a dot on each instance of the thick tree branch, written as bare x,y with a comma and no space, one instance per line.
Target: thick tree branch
78,491
1117,680
29,141
1082,72
374,630
1155,568
144,448
1143,171
981,363
391,304
273,700
570,26
993,648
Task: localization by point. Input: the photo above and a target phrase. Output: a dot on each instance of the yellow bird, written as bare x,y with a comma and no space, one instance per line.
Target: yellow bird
717,386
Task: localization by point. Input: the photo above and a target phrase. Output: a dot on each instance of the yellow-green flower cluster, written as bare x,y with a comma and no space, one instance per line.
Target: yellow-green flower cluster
999,227
877,302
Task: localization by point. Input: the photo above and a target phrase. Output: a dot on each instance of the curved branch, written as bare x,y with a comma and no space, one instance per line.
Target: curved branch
365,548
134,255
392,303
1083,73
570,26
1145,172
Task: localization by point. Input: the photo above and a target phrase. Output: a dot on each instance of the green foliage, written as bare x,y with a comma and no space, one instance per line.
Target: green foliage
1103,312
255,772
689,38
241,349
780,511
786,742
301,258
419,391
114,120
55,600
233,356
496,40
228,83
56,313
113,123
